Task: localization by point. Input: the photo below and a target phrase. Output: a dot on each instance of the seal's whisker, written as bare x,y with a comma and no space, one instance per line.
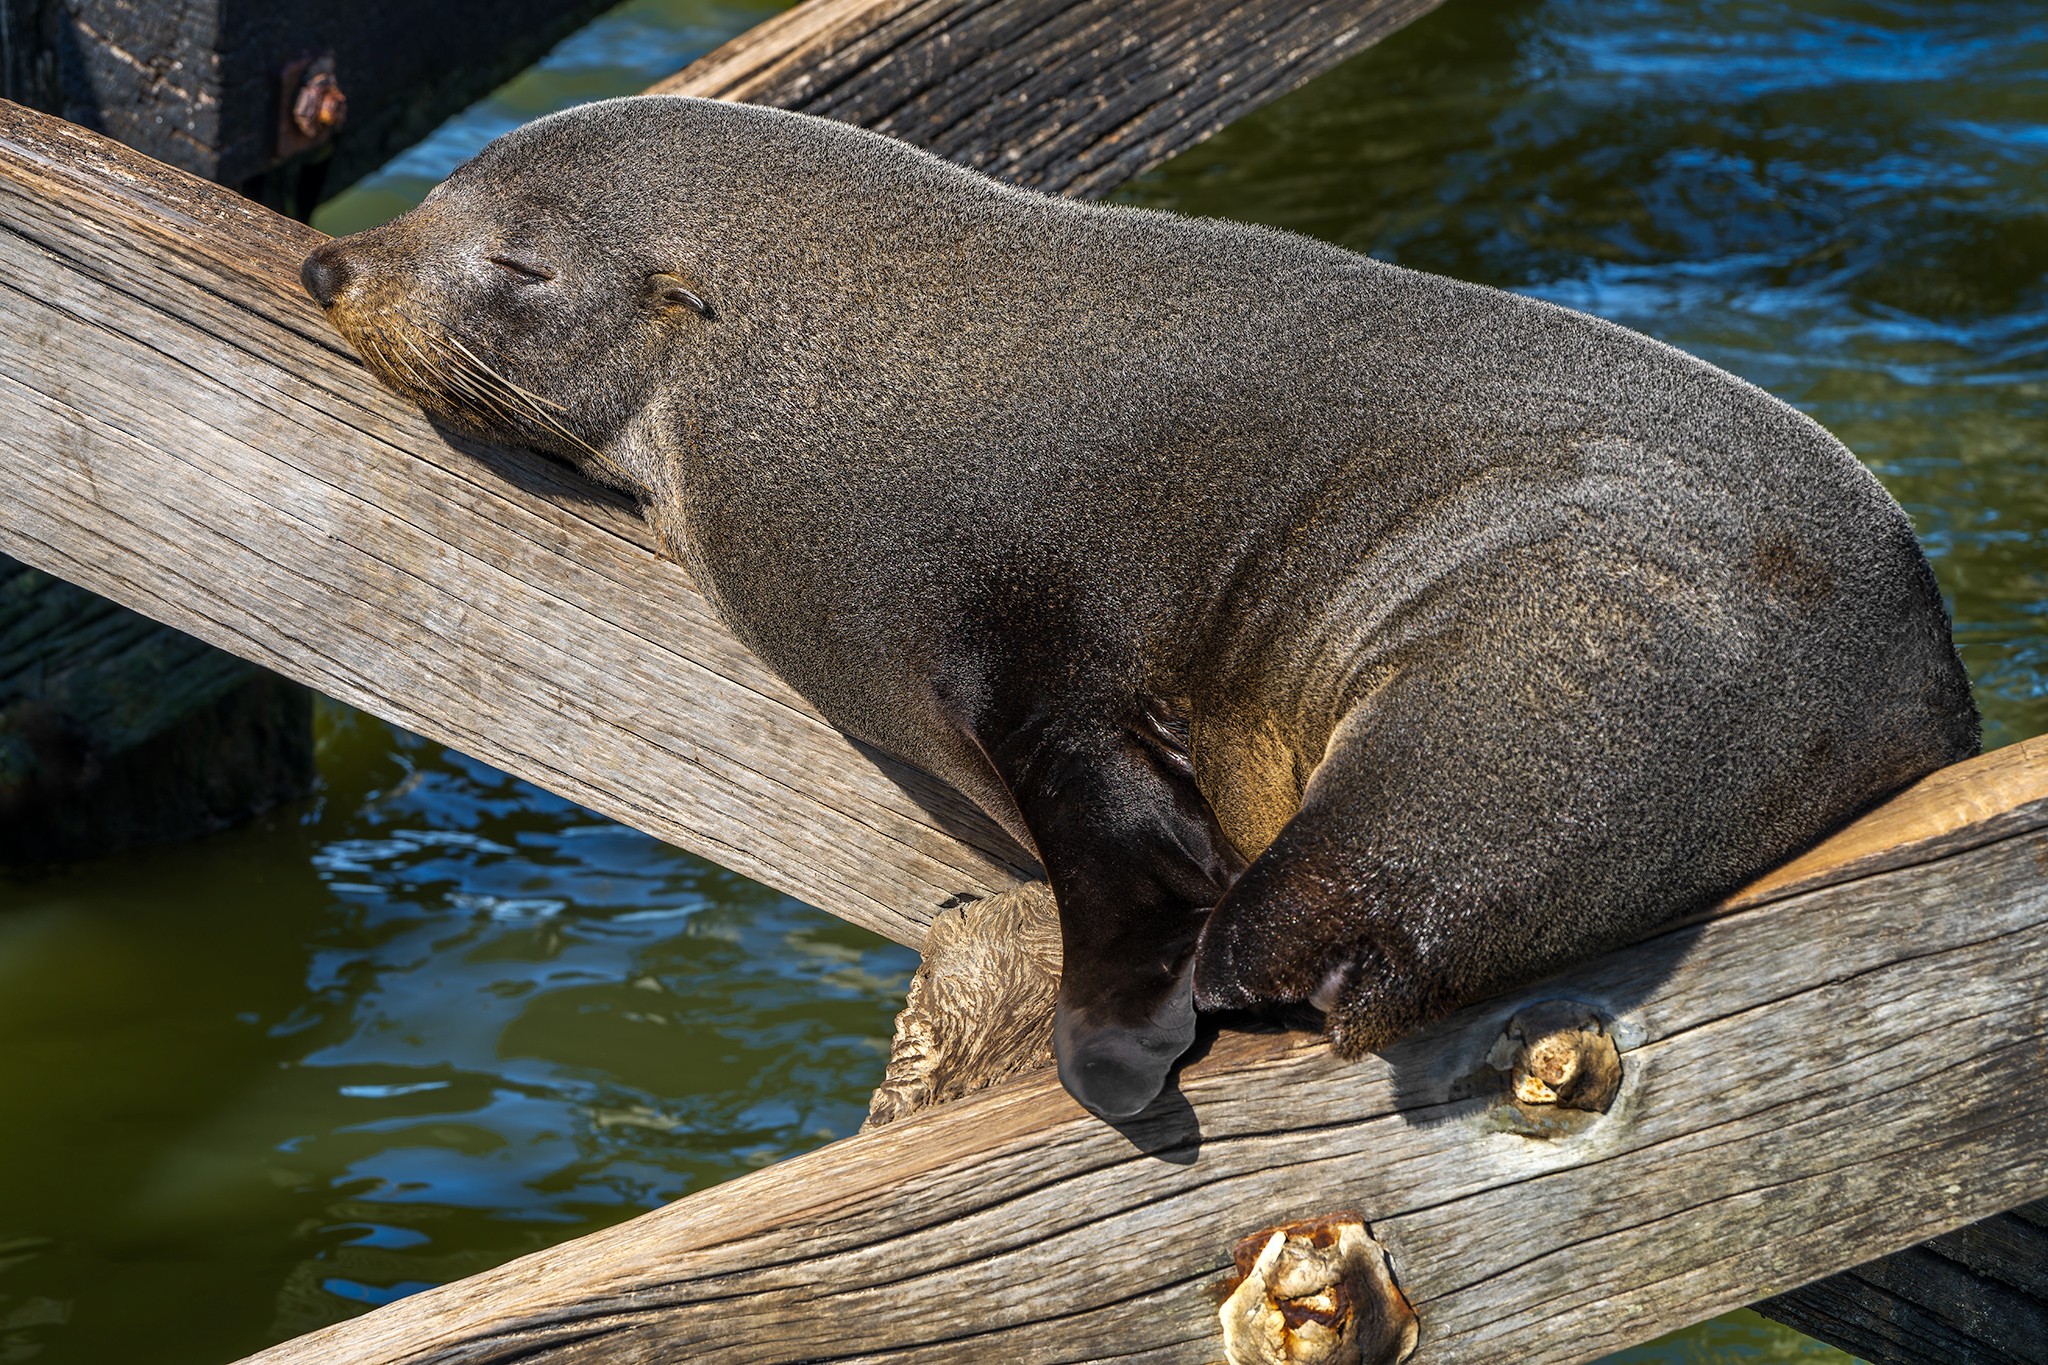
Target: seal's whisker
392,362
412,370
511,402
441,369
536,407
480,384
483,397
448,377
456,342
483,353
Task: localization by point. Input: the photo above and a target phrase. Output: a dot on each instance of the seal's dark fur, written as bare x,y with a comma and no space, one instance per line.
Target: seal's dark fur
1432,635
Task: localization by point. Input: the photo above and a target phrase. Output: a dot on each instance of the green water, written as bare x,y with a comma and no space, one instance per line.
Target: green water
438,1018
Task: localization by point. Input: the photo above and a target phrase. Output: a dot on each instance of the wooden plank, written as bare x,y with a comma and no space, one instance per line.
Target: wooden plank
1976,1296
1064,97
1811,1078
190,439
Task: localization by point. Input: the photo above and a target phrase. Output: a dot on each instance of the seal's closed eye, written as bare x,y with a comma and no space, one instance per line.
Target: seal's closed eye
523,270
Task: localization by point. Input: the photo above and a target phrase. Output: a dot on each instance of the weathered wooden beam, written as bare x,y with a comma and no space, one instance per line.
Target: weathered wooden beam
1810,1077
189,438
1070,98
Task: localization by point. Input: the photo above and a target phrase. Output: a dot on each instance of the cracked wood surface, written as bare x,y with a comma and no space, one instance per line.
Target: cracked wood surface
1067,96
1812,1076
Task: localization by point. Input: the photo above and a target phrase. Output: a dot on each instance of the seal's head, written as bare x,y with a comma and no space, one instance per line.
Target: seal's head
534,297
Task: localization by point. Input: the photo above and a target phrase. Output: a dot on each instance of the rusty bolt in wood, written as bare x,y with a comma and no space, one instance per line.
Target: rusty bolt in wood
1319,1292
1553,1071
313,105
320,107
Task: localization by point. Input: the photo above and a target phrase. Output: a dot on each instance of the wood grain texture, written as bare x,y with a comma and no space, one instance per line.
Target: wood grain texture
1975,1296
1071,98
189,438
1812,1079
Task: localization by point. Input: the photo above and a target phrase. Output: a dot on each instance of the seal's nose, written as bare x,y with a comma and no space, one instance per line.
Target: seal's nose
325,273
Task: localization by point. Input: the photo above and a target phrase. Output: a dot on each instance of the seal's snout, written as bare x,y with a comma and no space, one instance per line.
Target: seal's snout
325,273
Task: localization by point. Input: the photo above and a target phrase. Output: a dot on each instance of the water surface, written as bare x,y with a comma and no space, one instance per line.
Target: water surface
439,1018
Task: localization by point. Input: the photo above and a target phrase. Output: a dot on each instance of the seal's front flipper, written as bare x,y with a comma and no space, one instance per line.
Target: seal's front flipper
1116,1069
1136,860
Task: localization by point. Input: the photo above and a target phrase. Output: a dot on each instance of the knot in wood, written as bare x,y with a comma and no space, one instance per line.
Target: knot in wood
1548,1070
1318,1292
1563,1056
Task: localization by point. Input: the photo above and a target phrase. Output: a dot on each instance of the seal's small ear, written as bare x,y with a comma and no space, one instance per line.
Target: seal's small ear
672,291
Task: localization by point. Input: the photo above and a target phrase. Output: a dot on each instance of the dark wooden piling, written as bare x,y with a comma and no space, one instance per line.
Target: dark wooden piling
1975,1296
114,730
286,100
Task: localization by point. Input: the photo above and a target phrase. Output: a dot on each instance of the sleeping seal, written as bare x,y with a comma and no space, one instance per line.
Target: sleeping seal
1333,632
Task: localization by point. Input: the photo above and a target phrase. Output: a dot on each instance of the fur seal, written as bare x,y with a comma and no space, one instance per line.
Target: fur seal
1333,632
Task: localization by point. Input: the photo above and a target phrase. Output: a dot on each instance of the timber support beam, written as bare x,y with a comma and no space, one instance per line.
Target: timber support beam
1843,1060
